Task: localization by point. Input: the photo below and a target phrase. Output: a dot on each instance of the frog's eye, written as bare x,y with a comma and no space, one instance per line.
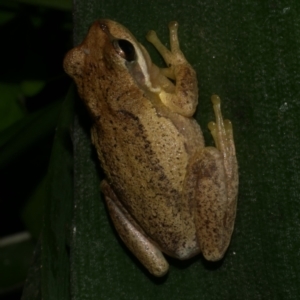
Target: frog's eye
125,49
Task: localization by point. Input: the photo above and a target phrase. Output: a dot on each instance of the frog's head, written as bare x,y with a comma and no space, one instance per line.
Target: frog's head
111,53
130,53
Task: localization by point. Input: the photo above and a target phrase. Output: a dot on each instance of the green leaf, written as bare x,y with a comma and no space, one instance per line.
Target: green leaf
33,212
11,108
248,53
52,252
26,132
32,87
15,257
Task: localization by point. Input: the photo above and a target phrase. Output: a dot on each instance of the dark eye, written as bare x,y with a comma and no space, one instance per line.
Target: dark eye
125,49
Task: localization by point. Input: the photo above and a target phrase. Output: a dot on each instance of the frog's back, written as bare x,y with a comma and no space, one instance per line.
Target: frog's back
145,157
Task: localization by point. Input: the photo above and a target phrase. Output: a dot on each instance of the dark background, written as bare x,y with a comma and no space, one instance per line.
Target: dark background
248,53
34,39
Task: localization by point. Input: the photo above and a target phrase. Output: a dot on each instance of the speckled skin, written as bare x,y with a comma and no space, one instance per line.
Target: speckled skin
165,191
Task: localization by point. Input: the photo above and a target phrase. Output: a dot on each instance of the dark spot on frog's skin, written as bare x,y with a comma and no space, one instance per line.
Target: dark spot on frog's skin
208,171
128,114
207,224
122,95
162,177
186,147
141,128
92,65
173,191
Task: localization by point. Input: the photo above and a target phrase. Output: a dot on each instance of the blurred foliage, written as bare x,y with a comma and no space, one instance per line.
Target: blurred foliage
35,37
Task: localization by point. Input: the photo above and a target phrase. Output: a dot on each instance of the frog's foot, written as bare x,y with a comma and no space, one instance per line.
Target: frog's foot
222,133
182,97
173,57
133,236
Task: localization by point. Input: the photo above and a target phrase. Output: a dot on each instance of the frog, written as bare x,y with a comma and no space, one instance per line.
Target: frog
167,193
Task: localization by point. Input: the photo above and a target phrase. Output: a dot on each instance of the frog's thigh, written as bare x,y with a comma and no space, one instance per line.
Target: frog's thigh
206,187
147,253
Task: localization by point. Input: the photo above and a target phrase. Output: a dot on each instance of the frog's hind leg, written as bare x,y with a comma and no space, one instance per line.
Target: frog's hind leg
133,236
211,186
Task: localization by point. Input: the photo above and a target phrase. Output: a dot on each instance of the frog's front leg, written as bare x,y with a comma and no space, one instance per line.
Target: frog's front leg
211,185
133,236
183,98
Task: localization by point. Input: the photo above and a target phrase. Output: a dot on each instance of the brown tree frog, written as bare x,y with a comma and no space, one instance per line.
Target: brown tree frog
165,191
